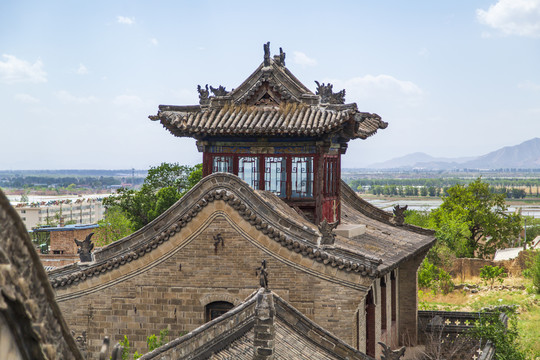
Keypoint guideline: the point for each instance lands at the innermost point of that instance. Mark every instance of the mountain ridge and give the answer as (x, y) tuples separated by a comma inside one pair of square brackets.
[(525, 155)]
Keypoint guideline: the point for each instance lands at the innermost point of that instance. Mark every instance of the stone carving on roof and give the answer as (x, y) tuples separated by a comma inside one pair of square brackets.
[(266, 48), (262, 273), (219, 91), (326, 229), (280, 59), (29, 314), (327, 94), (85, 248), (389, 354), (203, 94), (399, 215)]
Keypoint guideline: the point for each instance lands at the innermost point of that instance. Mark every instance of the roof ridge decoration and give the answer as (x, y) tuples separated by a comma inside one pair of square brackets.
[(269, 87), (366, 266)]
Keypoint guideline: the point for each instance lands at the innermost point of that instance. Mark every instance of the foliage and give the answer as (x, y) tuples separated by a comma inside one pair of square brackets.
[(533, 270), (164, 185), (154, 342), (434, 278), (125, 345), (490, 274), (489, 327), (114, 226), (477, 219)]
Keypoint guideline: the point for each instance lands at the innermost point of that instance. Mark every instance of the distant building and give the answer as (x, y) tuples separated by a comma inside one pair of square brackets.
[(79, 211), (60, 248)]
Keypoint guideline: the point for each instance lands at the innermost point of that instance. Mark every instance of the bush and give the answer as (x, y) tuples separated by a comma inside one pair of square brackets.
[(434, 278), (490, 274), (534, 271), (490, 328)]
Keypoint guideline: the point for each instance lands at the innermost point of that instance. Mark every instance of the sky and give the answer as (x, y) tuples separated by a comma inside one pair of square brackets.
[(78, 79)]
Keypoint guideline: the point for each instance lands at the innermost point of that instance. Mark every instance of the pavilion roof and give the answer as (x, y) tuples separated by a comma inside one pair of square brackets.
[(270, 102)]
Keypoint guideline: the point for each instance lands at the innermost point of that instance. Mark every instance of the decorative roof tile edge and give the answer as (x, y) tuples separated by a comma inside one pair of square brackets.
[(298, 246), (24, 287)]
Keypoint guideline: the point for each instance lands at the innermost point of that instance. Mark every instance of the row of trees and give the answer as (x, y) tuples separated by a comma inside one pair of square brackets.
[(131, 209), (434, 191)]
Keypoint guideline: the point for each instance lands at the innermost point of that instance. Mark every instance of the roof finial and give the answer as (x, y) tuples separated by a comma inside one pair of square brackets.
[(267, 54), (263, 275)]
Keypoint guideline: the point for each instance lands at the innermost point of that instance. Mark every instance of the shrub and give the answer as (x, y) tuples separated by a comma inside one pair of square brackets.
[(490, 274), (434, 278), (534, 271)]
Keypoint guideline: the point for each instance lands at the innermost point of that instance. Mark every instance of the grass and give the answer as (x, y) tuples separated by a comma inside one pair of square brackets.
[(517, 292)]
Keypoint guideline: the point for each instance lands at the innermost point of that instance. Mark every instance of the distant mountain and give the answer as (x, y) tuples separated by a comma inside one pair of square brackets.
[(419, 159), (523, 156)]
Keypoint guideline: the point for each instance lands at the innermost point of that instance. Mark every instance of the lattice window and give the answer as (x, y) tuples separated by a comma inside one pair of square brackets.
[(248, 170), (302, 177), (222, 164), (330, 176), (275, 175)]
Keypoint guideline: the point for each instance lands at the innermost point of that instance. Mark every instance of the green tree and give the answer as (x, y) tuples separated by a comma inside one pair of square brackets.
[(114, 226), (164, 185), (490, 274), (483, 213)]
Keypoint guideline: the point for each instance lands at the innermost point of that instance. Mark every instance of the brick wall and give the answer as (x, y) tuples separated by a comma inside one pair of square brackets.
[(170, 286)]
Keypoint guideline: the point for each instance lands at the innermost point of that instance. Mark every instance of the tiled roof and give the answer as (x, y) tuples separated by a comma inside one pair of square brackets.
[(231, 336), (291, 120), (382, 239)]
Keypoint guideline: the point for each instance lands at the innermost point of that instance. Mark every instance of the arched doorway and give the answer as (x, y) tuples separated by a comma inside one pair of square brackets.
[(216, 309)]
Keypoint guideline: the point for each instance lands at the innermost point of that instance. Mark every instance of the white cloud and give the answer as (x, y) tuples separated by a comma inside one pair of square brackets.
[(513, 17), (66, 97), (25, 98), (380, 89), (82, 70), (14, 70), (302, 59), (125, 20), (154, 41)]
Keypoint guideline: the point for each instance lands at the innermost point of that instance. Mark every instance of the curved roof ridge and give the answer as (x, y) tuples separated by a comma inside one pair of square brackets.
[(27, 299), (288, 231)]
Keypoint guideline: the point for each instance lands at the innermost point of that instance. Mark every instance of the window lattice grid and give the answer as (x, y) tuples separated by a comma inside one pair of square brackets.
[(248, 170), (222, 164), (302, 177), (275, 175)]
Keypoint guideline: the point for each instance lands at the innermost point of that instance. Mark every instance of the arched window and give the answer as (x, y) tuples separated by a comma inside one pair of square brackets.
[(216, 309)]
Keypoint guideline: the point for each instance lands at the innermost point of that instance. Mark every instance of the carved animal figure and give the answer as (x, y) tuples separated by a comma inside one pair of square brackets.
[(326, 229), (220, 91), (389, 354), (327, 94), (399, 214), (203, 93), (85, 248), (263, 275), (266, 48)]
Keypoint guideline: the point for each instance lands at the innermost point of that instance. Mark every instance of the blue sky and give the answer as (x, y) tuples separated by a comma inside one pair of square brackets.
[(78, 79)]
